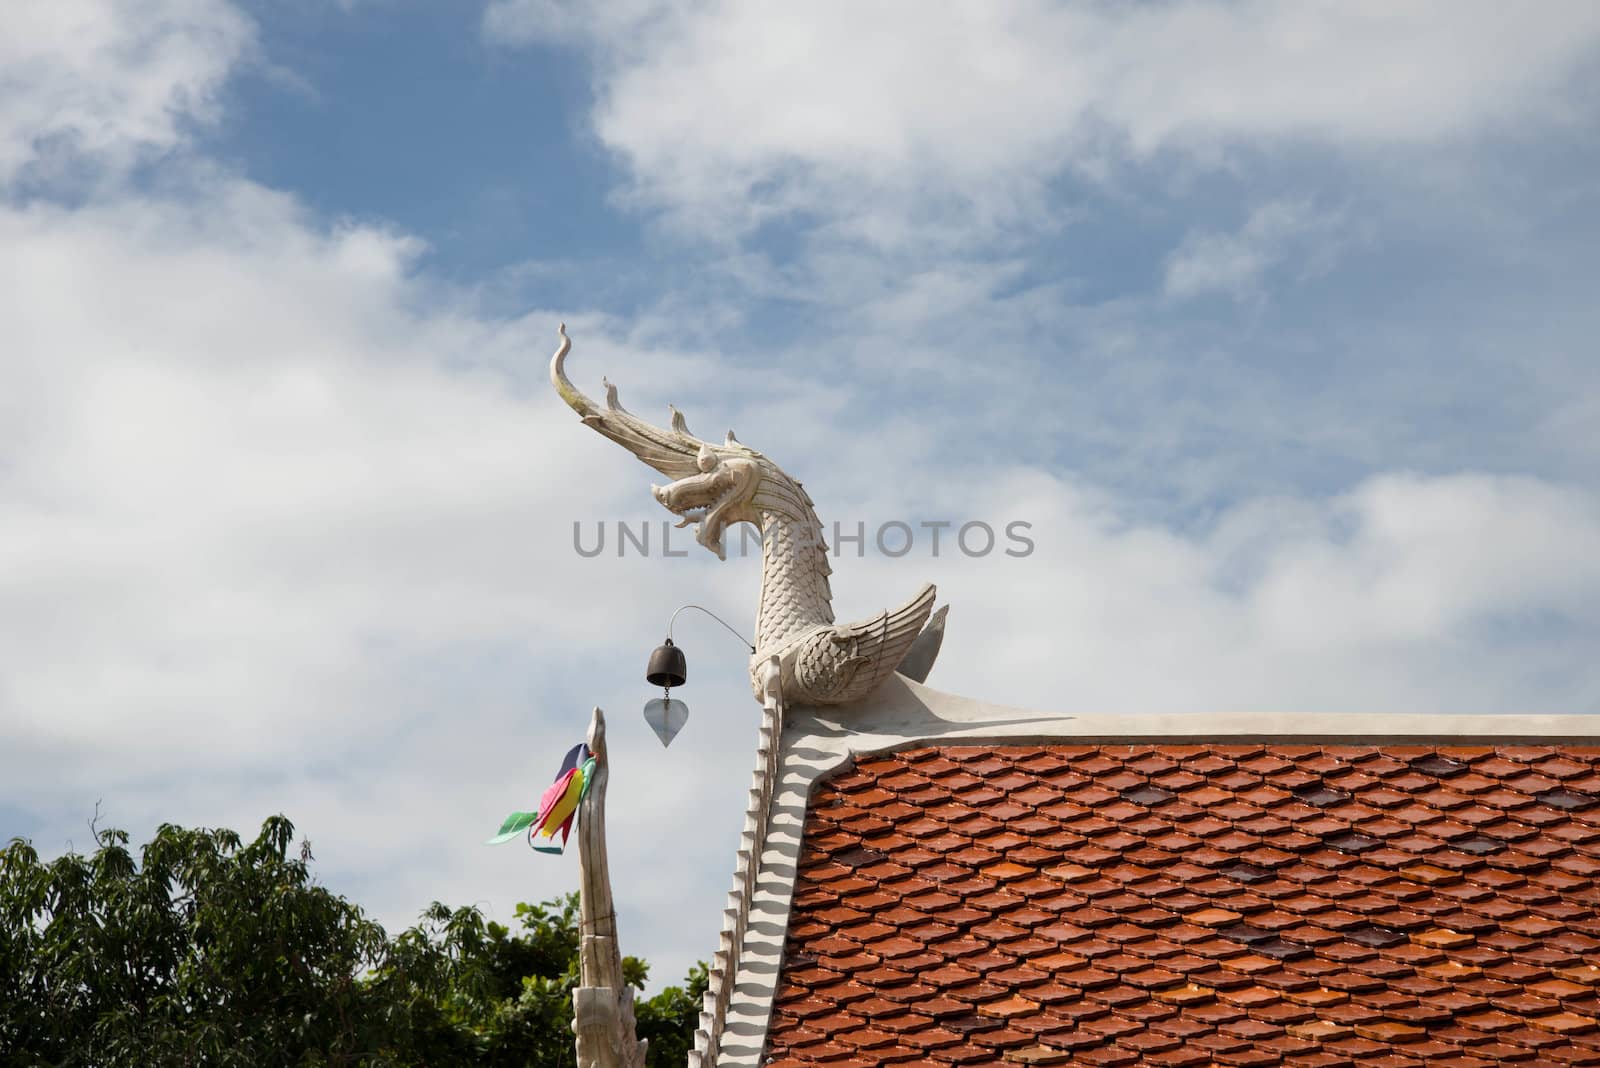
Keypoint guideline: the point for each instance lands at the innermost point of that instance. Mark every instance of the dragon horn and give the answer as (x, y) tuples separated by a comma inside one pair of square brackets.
[(558, 376), (672, 452)]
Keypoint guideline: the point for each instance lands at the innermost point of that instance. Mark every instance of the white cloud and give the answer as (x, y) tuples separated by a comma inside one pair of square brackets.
[(285, 526), (730, 113), (190, 385), (106, 82), (560, 22), (1453, 594), (1234, 263)]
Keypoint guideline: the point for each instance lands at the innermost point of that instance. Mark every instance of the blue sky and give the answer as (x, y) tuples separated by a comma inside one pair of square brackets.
[(1276, 322), (407, 116)]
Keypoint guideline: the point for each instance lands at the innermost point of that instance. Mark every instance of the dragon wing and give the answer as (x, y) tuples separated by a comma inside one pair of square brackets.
[(848, 661), (672, 452), (890, 633)]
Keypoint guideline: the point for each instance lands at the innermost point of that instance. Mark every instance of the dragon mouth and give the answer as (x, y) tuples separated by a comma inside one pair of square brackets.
[(692, 515), (708, 501)]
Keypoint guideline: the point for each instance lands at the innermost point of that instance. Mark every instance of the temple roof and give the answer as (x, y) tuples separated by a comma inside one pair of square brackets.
[(1247, 904), (942, 881)]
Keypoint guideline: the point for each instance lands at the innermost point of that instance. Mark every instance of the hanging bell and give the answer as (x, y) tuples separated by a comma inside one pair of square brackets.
[(667, 667)]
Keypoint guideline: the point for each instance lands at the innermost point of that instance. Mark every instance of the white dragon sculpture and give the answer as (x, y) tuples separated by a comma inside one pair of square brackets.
[(716, 486)]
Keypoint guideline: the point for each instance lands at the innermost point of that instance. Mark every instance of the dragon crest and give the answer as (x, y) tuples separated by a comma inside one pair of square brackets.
[(715, 486)]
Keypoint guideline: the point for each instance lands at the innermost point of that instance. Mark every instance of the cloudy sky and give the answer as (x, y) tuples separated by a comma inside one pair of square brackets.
[(1277, 322)]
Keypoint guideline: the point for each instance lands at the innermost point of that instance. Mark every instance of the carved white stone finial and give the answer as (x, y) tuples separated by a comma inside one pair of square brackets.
[(717, 486)]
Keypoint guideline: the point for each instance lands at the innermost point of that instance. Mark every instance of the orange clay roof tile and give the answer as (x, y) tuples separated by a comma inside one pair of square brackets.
[(1309, 906)]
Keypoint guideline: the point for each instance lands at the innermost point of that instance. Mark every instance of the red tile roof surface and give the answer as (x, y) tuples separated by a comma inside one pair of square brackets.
[(1178, 905)]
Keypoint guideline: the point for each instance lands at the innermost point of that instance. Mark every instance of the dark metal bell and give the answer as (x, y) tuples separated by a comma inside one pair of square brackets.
[(667, 667)]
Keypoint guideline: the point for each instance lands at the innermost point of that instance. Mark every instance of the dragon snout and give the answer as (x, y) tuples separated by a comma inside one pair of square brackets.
[(694, 492), (675, 497)]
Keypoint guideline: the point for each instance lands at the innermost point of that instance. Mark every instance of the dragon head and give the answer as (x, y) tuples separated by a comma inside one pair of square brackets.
[(721, 492), (713, 485)]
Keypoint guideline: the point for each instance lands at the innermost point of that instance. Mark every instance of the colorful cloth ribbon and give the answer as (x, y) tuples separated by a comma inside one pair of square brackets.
[(558, 805)]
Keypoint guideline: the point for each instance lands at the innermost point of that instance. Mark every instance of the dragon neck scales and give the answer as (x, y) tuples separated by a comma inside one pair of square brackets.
[(795, 595), (717, 485)]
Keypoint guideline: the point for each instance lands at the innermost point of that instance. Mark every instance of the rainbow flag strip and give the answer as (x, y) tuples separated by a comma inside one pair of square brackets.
[(558, 806)]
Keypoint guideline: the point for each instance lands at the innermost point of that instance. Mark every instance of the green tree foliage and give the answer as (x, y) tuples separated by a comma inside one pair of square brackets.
[(210, 951), (531, 997), (668, 1019)]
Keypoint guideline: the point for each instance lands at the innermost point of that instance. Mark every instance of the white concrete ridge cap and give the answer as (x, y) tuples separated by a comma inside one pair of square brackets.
[(902, 713)]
